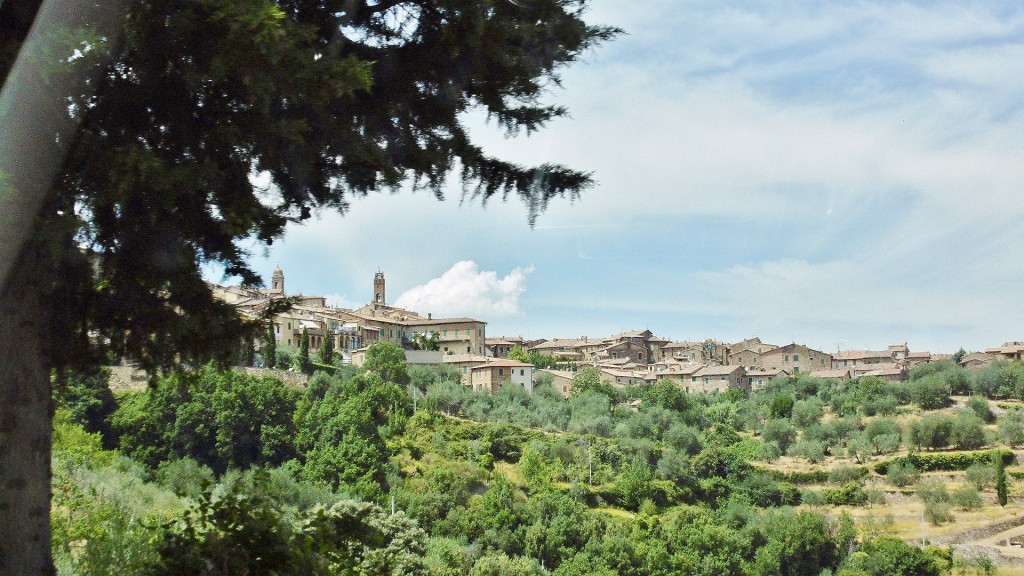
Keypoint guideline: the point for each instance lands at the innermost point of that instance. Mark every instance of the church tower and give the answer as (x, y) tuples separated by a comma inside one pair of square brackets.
[(277, 280), (378, 288)]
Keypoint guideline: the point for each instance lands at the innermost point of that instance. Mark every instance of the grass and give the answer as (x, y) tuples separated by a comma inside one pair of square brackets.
[(615, 512)]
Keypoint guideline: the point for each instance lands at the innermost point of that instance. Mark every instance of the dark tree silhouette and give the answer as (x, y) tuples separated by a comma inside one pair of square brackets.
[(129, 133)]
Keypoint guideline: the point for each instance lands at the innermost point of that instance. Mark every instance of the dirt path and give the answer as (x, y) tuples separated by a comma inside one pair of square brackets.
[(998, 541)]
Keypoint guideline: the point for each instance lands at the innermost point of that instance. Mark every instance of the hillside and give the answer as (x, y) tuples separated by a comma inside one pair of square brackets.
[(804, 476)]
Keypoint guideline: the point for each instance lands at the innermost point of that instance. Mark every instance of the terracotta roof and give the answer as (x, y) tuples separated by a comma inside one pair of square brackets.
[(794, 346), (680, 370), (682, 345), (556, 343), (837, 373), (765, 372), (860, 355), (718, 370), (559, 373), (1006, 348), (502, 364), (460, 358), (885, 372), (979, 357)]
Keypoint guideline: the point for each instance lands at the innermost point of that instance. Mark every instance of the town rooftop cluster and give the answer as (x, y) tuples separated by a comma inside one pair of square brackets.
[(628, 358)]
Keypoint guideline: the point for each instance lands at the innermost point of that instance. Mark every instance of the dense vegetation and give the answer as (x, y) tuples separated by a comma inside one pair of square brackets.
[(223, 473)]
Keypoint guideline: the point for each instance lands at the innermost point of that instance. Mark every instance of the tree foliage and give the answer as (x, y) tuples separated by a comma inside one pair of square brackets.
[(329, 100), (242, 531), (388, 361), (304, 351), (221, 419), (177, 105), (88, 400)]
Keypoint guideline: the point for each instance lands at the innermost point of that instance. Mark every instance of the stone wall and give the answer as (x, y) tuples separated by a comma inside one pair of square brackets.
[(131, 378)]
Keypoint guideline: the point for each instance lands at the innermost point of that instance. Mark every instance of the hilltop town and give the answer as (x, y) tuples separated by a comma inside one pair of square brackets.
[(625, 359)]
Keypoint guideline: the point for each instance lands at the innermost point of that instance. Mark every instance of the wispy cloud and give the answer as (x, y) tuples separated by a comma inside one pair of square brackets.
[(820, 169)]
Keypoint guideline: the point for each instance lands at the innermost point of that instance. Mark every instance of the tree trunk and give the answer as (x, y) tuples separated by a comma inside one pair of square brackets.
[(25, 418)]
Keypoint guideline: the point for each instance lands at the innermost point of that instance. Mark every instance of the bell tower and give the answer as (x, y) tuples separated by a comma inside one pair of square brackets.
[(378, 288), (277, 280)]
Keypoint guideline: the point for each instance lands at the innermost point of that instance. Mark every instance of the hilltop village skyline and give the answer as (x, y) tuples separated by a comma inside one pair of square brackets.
[(629, 357)]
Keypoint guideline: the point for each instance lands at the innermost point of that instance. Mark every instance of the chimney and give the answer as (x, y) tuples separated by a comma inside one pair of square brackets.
[(428, 315)]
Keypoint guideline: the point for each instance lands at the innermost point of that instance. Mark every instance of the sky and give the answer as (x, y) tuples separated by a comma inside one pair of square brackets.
[(845, 175)]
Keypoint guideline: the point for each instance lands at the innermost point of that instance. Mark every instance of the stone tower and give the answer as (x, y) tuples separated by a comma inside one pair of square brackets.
[(378, 288), (277, 280)]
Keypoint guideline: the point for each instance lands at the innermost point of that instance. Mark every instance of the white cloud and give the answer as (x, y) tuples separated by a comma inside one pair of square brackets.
[(465, 290), (342, 301)]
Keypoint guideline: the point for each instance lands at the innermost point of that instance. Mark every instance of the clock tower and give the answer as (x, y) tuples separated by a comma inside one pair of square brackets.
[(378, 288)]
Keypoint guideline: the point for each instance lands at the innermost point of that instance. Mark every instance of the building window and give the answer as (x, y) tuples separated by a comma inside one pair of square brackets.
[(796, 357), (501, 371), (522, 372), (787, 359)]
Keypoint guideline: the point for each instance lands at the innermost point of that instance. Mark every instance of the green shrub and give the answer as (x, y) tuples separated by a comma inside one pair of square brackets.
[(886, 443), (801, 477), (902, 474), (780, 431), (849, 494), (979, 405), (843, 474), (874, 495), (947, 461), (932, 490), (807, 412), (185, 477), (768, 452), (966, 497), (1011, 427), (937, 512), (968, 431), (812, 450), (890, 556), (980, 475), (812, 497)]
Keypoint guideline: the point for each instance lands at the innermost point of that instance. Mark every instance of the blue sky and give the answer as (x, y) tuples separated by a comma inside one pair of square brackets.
[(844, 175)]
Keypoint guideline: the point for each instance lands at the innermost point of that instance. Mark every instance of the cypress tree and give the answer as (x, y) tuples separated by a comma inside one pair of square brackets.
[(248, 353), (304, 351), (270, 350), (997, 459), (327, 349)]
